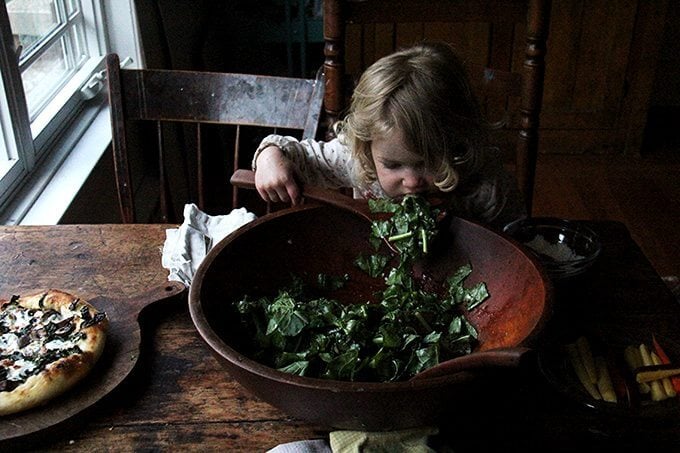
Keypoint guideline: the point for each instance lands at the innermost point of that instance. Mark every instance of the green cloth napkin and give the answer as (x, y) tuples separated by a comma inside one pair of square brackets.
[(408, 440)]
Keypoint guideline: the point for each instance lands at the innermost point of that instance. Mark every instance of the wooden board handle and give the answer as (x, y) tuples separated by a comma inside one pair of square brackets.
[(158, 293)]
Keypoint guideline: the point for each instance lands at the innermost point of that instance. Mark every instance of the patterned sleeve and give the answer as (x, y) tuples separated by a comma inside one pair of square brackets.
[(324, 164)]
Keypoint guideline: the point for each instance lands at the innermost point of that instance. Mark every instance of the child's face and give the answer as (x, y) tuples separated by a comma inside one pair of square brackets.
[(399, 169)]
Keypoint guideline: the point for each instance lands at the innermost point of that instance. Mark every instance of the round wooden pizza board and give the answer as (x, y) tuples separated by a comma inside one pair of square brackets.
[(117, 361)]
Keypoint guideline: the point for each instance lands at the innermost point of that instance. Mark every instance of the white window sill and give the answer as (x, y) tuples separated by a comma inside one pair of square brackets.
[(48, 196)]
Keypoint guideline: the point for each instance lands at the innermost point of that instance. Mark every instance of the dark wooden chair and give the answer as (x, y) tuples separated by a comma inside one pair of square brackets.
[(503, 42), (186, 104)]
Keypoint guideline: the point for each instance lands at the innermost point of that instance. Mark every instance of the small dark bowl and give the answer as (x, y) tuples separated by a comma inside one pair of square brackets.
[(565, 248)]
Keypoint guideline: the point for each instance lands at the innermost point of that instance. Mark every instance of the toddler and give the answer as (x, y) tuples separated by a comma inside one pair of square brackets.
[(413, 127)]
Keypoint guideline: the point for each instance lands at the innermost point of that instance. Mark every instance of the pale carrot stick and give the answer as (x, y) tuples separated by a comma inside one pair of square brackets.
[(581, 373)]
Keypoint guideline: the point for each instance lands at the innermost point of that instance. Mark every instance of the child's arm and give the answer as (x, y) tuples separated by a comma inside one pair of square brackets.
[(282, 163)]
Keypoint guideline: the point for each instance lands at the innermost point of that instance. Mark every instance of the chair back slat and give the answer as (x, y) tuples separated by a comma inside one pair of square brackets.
[(164, 184), (199, 167), (236, 153), (213, 98), (427, 11)]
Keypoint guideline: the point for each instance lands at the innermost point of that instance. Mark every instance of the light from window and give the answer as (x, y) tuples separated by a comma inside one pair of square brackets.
[(8, 151), (49, 49), (49, 37)]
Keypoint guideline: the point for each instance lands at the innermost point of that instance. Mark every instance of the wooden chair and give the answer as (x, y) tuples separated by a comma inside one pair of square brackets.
[(503, 42), (193, 102)]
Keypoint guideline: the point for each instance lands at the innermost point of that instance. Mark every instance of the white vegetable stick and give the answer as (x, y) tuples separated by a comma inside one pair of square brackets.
[(634, 360), (658, 392), (604, 380), (575, 358), (586, 354), (666, 382)]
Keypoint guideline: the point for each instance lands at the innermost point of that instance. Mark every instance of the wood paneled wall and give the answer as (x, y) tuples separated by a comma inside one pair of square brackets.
[(599, 69)]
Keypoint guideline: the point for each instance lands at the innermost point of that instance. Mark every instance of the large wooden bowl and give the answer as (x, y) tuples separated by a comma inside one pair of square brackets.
[(261, 256)]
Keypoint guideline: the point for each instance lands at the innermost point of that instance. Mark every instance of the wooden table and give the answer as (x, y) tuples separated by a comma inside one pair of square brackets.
[(178, 398)]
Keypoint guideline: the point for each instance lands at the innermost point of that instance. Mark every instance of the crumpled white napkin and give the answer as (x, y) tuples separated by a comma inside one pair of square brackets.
[(186, 246), (303, 446)]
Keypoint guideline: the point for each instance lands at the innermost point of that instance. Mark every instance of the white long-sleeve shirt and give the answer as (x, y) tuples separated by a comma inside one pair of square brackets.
[(490, 195)]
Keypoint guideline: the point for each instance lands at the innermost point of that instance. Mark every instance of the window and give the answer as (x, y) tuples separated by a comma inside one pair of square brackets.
[(49, 36), (51, 80)]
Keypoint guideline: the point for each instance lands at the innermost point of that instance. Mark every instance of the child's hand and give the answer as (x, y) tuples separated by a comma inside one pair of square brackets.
[(275, 177)]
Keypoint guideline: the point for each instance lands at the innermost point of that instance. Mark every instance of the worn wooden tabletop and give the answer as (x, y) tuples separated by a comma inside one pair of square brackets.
[(178, 397)]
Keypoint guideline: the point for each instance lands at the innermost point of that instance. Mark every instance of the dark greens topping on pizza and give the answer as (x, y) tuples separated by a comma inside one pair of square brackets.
[(31, 339)]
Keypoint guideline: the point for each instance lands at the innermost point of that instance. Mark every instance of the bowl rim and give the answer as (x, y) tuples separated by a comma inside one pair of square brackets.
[(577, 226)]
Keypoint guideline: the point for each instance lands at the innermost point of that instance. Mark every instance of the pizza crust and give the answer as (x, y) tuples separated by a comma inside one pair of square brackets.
[(45, 386), (65, 372)]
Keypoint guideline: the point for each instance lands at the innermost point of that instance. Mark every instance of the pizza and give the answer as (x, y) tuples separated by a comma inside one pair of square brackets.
[(48, 342)]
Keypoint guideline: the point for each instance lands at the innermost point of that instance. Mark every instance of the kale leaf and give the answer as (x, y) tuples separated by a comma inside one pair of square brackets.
[(408, 331)]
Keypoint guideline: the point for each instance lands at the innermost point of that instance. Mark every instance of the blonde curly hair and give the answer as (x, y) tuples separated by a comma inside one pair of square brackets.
[(424, 91)]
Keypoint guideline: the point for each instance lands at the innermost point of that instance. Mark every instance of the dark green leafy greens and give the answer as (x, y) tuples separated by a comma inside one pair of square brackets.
[(302, 331), (411, 227)]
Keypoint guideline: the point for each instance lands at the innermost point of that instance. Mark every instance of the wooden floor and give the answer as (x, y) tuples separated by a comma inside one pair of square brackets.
[(641, 192)]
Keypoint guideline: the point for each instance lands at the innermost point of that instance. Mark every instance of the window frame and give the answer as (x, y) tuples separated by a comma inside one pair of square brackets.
[(17, 137), (39, 149)]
